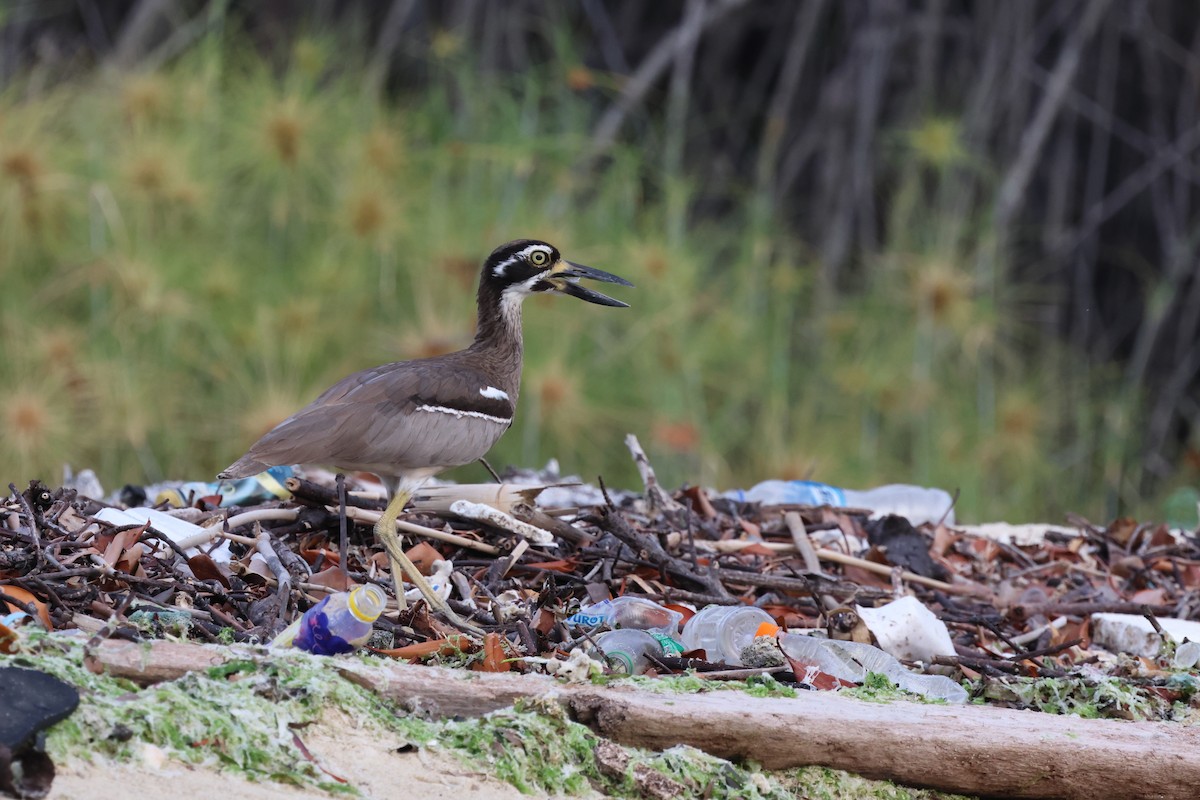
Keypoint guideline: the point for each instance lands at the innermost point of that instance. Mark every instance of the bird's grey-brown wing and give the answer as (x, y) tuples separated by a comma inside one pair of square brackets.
[(390, 418)]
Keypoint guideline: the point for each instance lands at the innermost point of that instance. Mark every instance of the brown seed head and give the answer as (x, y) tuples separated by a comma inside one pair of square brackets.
[(285, 135), (148, 173), (24, 167), (368, 213), (144, 98), (382, 150), (580, 78)]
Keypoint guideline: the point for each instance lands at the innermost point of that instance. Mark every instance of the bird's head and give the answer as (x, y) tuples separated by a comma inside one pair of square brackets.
[(527, 266)]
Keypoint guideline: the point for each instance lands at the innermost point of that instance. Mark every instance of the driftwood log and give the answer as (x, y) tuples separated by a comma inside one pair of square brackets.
[(967, 749)]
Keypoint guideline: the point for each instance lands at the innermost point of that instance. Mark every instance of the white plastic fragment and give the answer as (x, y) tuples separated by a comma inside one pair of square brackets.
[(1022, 535), (185, 534), (439, 581), (578, 667), (508, 605), (484, 513), (907, 630), (1133, 634)]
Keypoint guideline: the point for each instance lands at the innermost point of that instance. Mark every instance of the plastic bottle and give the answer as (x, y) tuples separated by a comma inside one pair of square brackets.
[(916, 503), (627, 650), (340, 623), (851, 661), (722, 631), (1187, 655), (628, 612)]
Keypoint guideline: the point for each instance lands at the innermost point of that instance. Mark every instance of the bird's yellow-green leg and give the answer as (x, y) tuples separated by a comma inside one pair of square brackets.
[(385, 531)]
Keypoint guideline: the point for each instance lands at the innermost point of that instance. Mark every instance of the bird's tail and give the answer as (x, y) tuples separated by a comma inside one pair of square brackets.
[(244, 467)]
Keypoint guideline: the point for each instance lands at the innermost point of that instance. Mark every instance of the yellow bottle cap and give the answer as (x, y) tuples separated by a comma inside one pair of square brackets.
[(367, 602)]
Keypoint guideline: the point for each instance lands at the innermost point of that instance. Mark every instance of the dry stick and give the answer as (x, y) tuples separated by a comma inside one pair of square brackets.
[(739, 674), (309, 492), (109, 627), (953, 502), (28, 608), (648, 547), (795, 526), (514, 556), (763, 580), (343, 536), (980, 664), (691, 536), (732, 546), (262, 515), (42, 556), (283, 578), (495, 475), (657, 499), (1085, 609), (804, 545), (1045, 651), (563, 530), (233, 537), (1036, 633)]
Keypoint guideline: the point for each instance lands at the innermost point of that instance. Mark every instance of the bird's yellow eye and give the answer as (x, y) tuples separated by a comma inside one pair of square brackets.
[(538, 258)]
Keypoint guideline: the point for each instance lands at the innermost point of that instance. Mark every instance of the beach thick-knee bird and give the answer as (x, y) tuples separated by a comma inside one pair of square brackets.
[(409, 420)]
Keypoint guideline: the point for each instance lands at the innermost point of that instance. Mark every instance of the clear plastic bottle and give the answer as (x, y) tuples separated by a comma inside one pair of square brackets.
[(917, 503), (722, 631), (340, 623), (851, 661), (628, 612), (626, 650), (1187, 655)]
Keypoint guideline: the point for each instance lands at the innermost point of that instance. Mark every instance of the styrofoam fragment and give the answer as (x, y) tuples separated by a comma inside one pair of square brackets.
[(1133, 634)]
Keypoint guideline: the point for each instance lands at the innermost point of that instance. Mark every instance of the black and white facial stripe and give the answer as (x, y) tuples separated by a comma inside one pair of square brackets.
[(517, 268), (538, 255)]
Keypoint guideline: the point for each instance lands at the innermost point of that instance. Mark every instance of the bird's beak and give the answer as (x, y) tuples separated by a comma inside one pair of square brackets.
[(566, 277)]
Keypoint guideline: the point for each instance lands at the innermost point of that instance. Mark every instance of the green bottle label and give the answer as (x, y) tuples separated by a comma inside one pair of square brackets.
[(619, 661), (669, 646)]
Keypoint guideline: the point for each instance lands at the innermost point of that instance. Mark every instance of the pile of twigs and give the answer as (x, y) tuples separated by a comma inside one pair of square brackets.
[(1011, 609)]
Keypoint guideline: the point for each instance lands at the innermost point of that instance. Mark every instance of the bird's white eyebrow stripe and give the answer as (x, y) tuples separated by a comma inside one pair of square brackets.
[(498, 270), (460, 413), (493, 393)]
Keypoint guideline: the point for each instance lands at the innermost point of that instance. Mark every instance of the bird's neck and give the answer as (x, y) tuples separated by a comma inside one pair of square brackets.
[(498, 334)]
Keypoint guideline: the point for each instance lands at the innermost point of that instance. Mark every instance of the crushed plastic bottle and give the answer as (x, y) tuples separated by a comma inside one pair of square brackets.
[(628, 612), (851, 661), (723, 631), (340, 623), (628, 650), (917, 503)]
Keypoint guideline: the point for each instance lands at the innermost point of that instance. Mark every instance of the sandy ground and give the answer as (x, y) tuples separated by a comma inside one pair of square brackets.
[(365, 758)]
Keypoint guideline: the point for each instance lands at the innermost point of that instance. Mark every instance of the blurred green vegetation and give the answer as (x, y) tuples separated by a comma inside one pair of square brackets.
[(191, 254)]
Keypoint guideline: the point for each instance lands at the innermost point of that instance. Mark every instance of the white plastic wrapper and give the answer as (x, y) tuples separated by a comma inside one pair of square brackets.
[(907, 630), (185, 534)]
